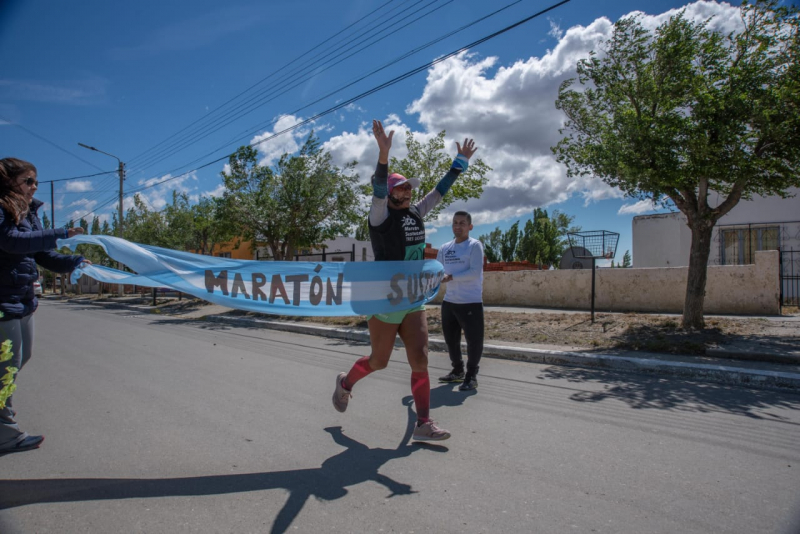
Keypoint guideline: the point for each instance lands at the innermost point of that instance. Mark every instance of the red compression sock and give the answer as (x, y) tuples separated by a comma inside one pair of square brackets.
[(421, 391), (359, 370)]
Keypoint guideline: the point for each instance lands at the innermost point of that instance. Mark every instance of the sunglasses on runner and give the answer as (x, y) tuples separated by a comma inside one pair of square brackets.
[(31, 182)]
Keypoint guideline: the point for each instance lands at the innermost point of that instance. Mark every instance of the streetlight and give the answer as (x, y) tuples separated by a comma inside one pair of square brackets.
[(121, 179)]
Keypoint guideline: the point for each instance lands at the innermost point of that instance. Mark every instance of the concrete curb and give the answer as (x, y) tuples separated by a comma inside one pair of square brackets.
[(725, 374)]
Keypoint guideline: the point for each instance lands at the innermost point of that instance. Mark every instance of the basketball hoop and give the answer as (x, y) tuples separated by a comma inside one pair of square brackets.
[(594, 245)]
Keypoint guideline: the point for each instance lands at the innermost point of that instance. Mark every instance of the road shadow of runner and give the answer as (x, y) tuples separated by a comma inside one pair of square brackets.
[(355, 465), (447, 395)]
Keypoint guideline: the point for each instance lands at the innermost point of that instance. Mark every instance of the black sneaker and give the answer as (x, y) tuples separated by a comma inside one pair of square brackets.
[(452, 376), (27, 444), (469, 384)]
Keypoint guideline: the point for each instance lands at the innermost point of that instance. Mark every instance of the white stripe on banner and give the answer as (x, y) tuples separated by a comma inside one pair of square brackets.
[(276, 287)]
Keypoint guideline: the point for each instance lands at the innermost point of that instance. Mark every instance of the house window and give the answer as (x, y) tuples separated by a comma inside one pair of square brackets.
[(740, 244), (223, 254)]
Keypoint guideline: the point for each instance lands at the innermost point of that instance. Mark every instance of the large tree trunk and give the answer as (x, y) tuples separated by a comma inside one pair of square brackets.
[(698, 273)]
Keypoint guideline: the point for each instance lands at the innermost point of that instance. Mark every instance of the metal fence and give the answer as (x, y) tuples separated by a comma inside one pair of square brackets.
[(338, 255), (738, 244), (790, 277)]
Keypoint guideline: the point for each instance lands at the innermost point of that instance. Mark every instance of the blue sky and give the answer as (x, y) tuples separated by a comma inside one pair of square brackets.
[(124, 77)]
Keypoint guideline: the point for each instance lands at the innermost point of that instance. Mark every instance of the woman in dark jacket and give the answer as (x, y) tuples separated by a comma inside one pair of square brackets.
[(23, 244)]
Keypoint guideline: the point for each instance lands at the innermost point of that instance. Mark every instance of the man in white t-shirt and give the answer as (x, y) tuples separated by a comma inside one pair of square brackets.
[(462, 308)]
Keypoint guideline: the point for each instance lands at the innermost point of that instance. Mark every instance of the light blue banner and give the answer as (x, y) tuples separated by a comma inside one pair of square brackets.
[(275, 287)]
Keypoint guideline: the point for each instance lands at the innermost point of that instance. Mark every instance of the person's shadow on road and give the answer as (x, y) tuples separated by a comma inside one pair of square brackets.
[(446, 395), (355, 465)]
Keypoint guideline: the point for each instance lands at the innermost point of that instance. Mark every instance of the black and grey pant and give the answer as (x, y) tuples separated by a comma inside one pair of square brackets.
[(469, 318), (20, 332)]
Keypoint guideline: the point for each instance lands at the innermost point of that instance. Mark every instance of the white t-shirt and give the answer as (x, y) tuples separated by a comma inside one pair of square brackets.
[(465, 262)]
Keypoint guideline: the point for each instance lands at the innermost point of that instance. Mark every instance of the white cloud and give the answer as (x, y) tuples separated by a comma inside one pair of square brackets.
[(360, 146), (78, 186), (216, 192), (159, 192), (288, 143), (555, 30), (637, 208), (84, 203), (510, 112)]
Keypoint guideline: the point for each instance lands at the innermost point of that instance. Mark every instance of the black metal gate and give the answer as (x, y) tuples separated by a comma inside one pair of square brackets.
[(790, 277)]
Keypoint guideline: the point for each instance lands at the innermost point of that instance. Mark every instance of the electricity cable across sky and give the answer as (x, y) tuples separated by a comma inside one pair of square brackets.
[(340, 105)]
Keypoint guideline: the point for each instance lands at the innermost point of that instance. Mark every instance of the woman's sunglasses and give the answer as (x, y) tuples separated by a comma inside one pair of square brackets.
[(31, 182)]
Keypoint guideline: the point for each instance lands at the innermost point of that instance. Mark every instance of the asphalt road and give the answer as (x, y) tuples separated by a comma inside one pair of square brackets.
[(156, 425)]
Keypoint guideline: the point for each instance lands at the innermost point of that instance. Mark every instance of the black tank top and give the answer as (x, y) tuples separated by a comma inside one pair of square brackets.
[(400, 237)]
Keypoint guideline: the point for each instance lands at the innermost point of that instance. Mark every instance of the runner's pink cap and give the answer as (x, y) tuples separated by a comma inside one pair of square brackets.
[(398, 179)]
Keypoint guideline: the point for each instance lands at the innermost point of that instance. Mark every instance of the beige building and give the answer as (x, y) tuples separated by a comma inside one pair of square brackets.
[(763, 223)]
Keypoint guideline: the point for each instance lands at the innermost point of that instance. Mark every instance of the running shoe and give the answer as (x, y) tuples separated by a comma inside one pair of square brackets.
[(469, 384), (340, 395), (27, 444), (452, 376), (430, 432)]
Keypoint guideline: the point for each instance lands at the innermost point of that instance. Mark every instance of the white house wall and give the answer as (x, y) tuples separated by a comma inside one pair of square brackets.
[(664, 239), (661, 240)]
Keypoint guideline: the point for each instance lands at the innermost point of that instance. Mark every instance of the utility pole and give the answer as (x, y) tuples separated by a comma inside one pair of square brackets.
[(53, 222), (119, 216), (52, 206)]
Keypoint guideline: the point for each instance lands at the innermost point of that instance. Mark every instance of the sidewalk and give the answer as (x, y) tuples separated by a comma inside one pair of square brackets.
[(741, 366)]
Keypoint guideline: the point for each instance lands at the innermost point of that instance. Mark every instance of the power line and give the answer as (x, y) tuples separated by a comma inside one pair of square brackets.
[(251, 131), (41, 138), (77, 177), (113, 200), (136, 158), (408, 54), (258, 100), (369, 92)]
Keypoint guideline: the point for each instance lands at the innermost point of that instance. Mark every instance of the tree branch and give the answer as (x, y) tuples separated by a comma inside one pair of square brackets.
[(733, 198)]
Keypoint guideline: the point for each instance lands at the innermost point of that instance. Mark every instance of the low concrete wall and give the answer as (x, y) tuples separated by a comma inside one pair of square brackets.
[(730, 289)]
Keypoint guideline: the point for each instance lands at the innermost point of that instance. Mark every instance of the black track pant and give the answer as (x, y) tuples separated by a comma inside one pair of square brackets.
[(469, 318)]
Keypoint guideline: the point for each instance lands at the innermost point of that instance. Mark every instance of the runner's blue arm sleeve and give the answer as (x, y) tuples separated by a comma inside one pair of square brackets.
[(460, 165), (380, 186)]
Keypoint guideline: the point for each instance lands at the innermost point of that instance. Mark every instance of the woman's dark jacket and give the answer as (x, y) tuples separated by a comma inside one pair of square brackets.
[(22, 246)]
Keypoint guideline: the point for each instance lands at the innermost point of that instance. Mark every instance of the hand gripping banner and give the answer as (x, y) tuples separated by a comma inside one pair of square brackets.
[(275, 287)]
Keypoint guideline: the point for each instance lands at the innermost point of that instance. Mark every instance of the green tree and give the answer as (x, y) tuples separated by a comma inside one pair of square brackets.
[(563, 223), (94, 253), (491, 245), (301, 202), (46, 221), (210, 227), (179, 222), (626, 259), (543, 239), (508, 243), (685, 110), (429, 162), (143, 225)]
